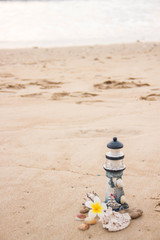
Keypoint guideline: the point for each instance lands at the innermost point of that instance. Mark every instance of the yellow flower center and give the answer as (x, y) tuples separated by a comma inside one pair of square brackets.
[(96, 207)]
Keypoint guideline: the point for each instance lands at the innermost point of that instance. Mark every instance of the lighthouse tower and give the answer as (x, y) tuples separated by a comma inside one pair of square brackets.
[(114, 168)]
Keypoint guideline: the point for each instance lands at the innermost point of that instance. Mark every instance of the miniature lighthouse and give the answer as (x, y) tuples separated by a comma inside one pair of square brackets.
[(114, 168)]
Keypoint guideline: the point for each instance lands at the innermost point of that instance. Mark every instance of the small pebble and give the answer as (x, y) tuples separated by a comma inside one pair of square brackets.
[(83, 226), (80, 217), (133, 212), (84, 210), (90, 221)]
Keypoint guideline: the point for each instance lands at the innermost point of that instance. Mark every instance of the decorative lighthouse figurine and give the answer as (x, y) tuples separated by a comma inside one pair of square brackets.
[(114, 168)]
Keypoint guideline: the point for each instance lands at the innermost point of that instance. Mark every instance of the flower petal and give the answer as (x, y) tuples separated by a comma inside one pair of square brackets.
[(92, 214), (96, 199), (100, 214), (88, 204), (104, 206)]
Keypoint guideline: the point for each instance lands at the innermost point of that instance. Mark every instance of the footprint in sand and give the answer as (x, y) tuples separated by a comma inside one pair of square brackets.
[(92, 132), (6, 75), (59, 95), (89, 101), (86, 94), (50, 84), (15, 86), (133, 78), (151, 97), (157, 207), (11, 86), (46, 84), (106, 131), (31, 95), (112, 84)]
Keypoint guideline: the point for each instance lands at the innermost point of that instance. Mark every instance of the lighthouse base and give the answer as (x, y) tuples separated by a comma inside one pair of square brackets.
[(115, 197), (123, 206), (118, 208)]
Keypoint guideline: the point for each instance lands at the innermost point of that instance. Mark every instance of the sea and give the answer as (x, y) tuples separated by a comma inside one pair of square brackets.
[(78, 22)]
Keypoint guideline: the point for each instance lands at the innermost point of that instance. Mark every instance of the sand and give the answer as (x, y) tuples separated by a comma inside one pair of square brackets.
[(59, 108)]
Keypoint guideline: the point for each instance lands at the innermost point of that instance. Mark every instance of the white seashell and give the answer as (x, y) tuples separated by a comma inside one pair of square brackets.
[(90, 196), (115, 221), (123, 199), (119, 183), (80, 217)]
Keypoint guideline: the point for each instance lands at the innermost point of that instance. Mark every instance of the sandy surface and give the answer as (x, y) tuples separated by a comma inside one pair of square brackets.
[(59, 108)]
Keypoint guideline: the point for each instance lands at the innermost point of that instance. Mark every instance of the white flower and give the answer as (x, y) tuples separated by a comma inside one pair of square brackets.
[(97, 208)]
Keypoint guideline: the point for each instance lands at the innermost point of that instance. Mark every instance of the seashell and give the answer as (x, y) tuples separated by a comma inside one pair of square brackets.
[(83, 226), (80, 217), (115, 221), (90, 196), (123, 199), (119, 183), (90, 221), (84, 210)]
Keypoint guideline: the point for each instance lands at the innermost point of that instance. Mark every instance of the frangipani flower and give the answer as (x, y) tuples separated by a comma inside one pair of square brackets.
[(97, 208)]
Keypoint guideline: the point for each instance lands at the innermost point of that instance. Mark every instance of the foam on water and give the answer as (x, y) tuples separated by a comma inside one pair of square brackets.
[(78, 22)]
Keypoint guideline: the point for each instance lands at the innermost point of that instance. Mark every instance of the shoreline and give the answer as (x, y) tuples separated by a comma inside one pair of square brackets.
[(76, 45)]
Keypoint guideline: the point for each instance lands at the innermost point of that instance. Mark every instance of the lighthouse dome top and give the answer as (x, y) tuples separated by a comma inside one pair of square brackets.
[(115, 144)]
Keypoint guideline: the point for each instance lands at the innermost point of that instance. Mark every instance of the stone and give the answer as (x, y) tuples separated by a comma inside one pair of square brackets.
[(90, 221), (133, 212), (84, 210), (83, 226), (80, 217)]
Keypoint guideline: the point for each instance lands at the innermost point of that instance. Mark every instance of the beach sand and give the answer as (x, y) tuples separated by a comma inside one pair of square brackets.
[(59, 108)]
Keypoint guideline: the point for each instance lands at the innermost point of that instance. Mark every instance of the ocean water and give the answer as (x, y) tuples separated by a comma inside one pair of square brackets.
[(78, 22)]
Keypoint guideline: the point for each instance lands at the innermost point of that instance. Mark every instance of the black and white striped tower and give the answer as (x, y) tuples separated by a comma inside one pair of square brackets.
[(114, 168)]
